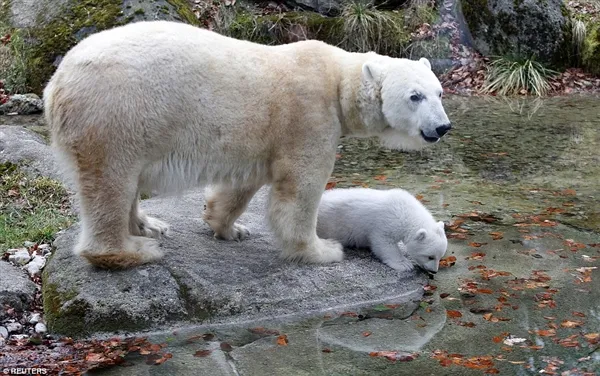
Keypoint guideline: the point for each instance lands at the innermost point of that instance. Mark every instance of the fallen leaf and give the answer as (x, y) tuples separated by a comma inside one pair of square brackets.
[(485, 291), (476, 255), (326, 350), (592, 338), (447, 262), (571, 324), (366, 334), (545, 332), (579, 314), (477, 245), (330, 185), (444, 295), (226, 347), (282, 340), (202, 353), (497, 235), (380, 177), (453, 314)]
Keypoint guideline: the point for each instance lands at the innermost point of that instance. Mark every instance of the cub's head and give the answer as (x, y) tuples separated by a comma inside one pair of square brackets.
[(427, 247), (401, 101)]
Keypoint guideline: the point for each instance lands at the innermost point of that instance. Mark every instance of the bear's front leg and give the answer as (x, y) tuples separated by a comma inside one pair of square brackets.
[(298, 184), (389, 253)]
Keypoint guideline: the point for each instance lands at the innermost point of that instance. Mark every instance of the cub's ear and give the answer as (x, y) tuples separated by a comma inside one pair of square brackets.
[(421, 234), (371, 72), (425, 62)]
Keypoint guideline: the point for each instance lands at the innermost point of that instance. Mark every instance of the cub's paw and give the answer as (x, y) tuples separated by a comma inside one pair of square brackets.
[(237, 232)]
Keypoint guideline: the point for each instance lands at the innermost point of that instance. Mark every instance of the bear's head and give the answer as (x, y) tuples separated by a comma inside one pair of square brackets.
[(401, 102), (427, 247)]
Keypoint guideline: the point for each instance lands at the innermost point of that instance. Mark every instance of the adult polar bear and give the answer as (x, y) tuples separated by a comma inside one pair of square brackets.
[(164, 106)]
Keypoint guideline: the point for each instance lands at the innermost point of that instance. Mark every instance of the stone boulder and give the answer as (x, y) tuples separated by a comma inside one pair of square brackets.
[(27, 149), (42, 31), (520, 28), (18, 104), (16, 289), (205, 280)]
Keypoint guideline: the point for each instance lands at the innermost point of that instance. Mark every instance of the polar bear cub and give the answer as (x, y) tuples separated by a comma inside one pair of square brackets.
[(379, 220)]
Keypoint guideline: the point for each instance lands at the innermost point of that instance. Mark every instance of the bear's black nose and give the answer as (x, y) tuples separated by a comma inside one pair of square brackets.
[(443, 129)]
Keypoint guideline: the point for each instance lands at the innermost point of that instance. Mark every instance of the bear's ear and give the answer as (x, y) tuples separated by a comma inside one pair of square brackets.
[(370, 72), (425, 62), (441, 227), (421, 234)]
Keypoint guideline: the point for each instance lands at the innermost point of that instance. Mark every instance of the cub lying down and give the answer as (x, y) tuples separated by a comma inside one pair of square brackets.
[(379, 220)]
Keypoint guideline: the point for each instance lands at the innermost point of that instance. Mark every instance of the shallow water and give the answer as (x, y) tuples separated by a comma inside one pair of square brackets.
[(524, 175)]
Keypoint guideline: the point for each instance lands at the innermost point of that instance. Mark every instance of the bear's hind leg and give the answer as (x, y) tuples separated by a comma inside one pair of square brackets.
[(106, 194), (293, 206), (224, 205)]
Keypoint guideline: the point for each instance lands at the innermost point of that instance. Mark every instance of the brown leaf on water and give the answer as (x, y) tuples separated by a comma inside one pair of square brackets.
[(226, 347), (475, 255), (419, 197), (326, 350), (456, 235), (570, 341), (366, 334), (568, 192), (477, 245), (496, 235), (545, 332), (444, 295), (380, 178), (202, 353), (592, 338), (485, 291), (578, 314), (330, 185), (498, 339), (571, 324), (453, 314), (492, 371), (282, 340), (447, 261), (468, 324)]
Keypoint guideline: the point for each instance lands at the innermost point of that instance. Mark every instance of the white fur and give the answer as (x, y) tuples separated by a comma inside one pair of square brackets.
[(380, 219), (158, 107)]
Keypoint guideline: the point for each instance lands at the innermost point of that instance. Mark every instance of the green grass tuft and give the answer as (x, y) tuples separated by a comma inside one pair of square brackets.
[(368, 29), (31, 209), (511, 77)]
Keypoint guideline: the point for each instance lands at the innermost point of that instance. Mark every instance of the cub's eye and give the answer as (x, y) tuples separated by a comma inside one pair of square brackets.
[(415, 97), (440, 95), (431, 258)]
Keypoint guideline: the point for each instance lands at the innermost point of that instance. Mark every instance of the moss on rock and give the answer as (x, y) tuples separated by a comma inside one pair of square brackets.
[(591, 51), (48, 41)]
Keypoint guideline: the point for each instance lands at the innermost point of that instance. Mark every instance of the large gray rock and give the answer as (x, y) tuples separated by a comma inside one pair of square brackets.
[(28, 149), (202, 279), (521, 28), (16, 289), (49, 28), (18, 104)]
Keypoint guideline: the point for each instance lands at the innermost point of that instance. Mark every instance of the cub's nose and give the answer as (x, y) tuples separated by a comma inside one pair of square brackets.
[(443, 129)]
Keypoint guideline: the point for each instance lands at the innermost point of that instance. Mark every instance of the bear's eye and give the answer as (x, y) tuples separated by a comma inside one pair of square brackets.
[(440, 95), (431, 258), (415, 97)]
